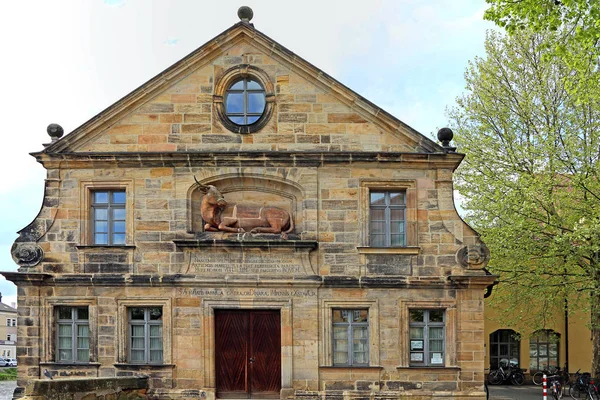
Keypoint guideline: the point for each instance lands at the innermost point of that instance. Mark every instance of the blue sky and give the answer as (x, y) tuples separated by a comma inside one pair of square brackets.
[(66, 60)]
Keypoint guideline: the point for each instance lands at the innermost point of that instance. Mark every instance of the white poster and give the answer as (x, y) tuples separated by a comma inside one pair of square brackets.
[(416, 357), (436, 358)]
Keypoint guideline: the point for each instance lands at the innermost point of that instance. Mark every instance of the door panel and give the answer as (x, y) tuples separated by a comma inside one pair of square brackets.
[(231, 352), (248, 353), (265, 351)]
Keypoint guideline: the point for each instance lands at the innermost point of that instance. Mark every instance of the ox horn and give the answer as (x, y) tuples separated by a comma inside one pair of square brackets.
[(202, 187)]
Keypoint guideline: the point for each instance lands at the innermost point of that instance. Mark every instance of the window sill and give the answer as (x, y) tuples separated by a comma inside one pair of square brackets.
[(142, 366), (373, 367), (70, 364), (411, 250), (105, 246), (430, 368)]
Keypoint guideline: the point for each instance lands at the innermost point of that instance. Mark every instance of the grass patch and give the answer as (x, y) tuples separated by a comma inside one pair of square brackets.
[(8, 374)]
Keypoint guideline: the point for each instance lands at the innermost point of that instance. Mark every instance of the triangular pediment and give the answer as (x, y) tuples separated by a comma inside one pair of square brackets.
[(178, 110)]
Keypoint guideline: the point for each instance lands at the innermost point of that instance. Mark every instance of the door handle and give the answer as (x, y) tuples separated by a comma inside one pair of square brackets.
[(251, 360)]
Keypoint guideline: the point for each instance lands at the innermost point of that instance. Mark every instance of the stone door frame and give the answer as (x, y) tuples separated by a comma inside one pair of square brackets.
[(208, 312)]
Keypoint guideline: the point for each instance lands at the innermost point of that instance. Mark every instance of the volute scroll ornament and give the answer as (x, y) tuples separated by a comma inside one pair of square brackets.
[(244, 217), (27, 254), (473, 256)]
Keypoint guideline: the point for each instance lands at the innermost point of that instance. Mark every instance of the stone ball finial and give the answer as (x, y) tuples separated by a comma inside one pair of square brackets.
[(445, 136), (245, 14), (55, 131)]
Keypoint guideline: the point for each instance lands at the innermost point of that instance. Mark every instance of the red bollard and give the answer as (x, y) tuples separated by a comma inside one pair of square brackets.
[(545, 388)]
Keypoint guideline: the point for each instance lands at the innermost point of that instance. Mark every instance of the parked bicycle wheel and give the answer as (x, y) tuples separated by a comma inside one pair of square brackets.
[(538, 378), (577, 392), (517, 378), (495, 377)]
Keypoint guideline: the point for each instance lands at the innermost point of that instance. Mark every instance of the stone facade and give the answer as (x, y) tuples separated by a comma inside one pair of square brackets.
[(320, 151)]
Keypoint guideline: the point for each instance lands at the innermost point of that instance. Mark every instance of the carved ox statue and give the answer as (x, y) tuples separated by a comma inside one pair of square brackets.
[(244, 218)]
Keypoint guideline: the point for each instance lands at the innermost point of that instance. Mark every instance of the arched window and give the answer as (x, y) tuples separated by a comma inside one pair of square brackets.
[(504, 344), (543, 350)]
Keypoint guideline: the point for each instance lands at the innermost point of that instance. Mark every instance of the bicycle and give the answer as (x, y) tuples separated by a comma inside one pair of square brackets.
[(556, 386), (512, 372), (583, 387), (538, 376)]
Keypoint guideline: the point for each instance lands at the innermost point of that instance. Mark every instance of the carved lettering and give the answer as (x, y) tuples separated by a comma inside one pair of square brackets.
[(247, 263), (245, 292)]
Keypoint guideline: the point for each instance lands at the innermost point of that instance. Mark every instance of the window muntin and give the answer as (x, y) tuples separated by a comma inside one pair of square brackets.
[(108, 217), (387, 218), (504, 344), (245, 102), (72, 334), (427, 337), (350, 337), (543, 350), (145, 335)]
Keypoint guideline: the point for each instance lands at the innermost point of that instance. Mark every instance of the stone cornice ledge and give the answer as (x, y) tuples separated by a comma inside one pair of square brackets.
[(250, 244), (33, 278), (247, 158), (470, 281)]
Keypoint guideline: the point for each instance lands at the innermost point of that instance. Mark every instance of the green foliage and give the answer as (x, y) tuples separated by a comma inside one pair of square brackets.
[(8, 374), (576, 31), (531, 176)]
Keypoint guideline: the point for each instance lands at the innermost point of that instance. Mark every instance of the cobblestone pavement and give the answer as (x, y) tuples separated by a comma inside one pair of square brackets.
[(6, 389), (509, 392)]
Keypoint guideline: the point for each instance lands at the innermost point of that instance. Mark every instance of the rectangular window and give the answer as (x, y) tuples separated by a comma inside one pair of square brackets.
[(387, 218), (108, 217), (427, 337), (14, 322), (72, 334), (8, 337), (7, 321), (350, 337), (145, 335)]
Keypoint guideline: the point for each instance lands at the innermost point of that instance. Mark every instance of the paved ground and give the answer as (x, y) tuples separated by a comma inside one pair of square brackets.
[(6, 389), (509, 392)]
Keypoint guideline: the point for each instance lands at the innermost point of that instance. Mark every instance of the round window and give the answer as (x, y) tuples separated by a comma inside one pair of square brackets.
[(245, 102)]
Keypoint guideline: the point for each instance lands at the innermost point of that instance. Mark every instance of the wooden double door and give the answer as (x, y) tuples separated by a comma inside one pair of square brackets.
[(248, 353)]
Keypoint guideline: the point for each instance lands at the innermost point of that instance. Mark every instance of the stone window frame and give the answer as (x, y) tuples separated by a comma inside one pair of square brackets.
[(410, 188), (123, 306), (87, 189), (49, 327), (229, 77), (327, 307), (450, 309)]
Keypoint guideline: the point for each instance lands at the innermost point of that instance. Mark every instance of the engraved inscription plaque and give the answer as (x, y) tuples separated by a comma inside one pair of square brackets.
[(250, 262)]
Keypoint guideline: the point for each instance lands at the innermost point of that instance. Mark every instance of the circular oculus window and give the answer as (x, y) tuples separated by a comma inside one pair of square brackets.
[(245, 102)]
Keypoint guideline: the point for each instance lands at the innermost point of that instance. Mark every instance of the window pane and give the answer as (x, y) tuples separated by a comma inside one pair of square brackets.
[(119, 227), (83, 355), (239, 85), (360, 315), (396, 198), (397, 227), (82, 313), (156, 331), (436, 345), (118, 197), (340, 333), (397, 215), (417, 315), (543, 349), (377, 215), (256, 102), (137, 331), (378, 240), (101, 214), (65, 331), (340, 358), (137, 313), (138, 343), (137, 355), (436, 316), (360, 332), (101, 227), (64, 313), (101, 238), (156, 355), (155, 313), (119, 239), (378, 198), (65, 355), (378, 228), (237, 120), (156, 344), (416, 333), (235, 103), (397, 240), (337, 316), (83, 331), (252, 119), (253, 85), (100, 197), (118, 214), (436, 333)]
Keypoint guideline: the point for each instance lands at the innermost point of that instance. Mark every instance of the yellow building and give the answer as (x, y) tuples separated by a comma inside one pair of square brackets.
[(8, 330), (567, 340)]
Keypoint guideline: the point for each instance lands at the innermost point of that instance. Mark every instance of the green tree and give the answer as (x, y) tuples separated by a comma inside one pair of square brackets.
[(576, 32), (531, 180)]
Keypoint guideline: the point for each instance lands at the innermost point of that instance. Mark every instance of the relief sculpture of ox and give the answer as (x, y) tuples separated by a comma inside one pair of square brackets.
[(244, 218)]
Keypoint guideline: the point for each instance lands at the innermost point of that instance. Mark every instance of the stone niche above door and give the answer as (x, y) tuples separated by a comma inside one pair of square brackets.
[(243, 192)]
